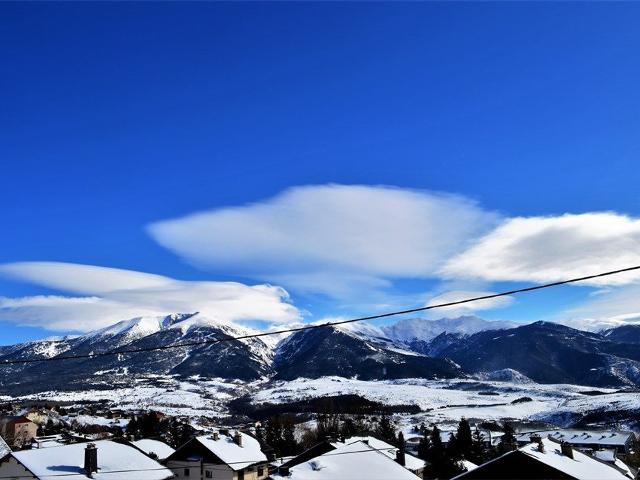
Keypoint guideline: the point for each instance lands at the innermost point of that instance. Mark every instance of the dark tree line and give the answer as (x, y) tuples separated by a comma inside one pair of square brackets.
[(464, 444)]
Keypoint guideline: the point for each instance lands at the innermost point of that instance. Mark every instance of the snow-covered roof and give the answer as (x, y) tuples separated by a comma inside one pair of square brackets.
[(581, 466), (353, 460), (609, 456), (227, 450), (410, 462), (4, 448), (583, 437), (468, 466), (67, 462), (148, 446)]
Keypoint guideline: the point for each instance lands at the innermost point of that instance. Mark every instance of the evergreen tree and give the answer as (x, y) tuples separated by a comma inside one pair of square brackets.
[(463, 437), (508, 441), (273, 434), (453, 447), (477, 452), (348, 428), (425, 445), (289, 445), (386, 430), (439, 463)]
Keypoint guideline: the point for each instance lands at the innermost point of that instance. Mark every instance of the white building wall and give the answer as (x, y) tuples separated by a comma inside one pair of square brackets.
[(197, 471)]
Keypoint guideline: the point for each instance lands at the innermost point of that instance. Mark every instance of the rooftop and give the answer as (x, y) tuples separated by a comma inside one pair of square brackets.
[(67, 462), (149, 446), (353, 460), (411, 462), (581, 466), (227, 450), (577, 437)]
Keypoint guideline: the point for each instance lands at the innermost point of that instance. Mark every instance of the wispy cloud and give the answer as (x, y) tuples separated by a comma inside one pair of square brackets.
[(107, 295), (609, 308), (546, 249), (330, 239)]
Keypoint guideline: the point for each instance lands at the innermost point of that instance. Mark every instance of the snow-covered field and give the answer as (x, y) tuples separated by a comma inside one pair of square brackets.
[(441, 401), (449, 400)]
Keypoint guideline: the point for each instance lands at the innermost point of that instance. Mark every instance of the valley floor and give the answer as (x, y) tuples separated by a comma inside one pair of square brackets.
[(440, 401)]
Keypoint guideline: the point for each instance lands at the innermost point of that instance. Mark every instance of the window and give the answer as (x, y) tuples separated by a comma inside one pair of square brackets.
[(241, 475), (208, 474), (187, 472), (260, 471)]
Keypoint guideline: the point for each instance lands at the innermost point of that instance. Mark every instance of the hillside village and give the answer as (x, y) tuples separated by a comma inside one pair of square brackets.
[(52, 441)]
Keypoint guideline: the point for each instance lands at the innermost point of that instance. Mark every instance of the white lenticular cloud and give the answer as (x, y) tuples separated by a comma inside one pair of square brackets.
[(466, 308), (547, 249), (108, 295), (315, 235)]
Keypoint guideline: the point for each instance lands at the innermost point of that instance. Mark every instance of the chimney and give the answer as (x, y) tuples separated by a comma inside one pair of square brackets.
[(215, 436), (537, 439), (566, 449), (90, 459), (400, 458), (238, 438)]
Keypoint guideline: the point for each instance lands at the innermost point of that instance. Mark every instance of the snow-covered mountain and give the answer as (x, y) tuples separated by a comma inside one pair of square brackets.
[(423, 329), (348, 351), (446, 348), (183, 353), (548, 353)]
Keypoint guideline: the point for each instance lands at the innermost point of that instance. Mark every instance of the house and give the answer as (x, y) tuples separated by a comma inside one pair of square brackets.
[(103, 460), (411, 463), (545, 459), (17, 431), (610, 457), (221, 455), (347, 462), (622, 441), (154, 448)]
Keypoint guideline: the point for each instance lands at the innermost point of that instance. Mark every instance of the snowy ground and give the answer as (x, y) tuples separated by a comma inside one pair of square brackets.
[(441, 401), (449, 400)]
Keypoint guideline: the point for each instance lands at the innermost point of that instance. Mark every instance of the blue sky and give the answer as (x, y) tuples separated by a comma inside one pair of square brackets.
[(119, 116)]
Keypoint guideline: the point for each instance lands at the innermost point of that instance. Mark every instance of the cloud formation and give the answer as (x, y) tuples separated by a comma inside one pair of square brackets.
[(548, 249), (466, 308), (330, 238), (108, 295), (607, 309)]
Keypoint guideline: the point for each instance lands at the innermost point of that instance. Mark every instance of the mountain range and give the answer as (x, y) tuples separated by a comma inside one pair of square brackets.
[(448, 348)]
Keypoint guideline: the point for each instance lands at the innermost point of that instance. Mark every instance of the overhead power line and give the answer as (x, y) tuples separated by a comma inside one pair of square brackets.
[(322, 325)]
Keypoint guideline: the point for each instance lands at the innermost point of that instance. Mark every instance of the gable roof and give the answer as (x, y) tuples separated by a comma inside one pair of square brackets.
[(530, 462), (410, 462), (67, 462), (235, 456), (583, 437), (354, 460), (148, 446), (581, 466)]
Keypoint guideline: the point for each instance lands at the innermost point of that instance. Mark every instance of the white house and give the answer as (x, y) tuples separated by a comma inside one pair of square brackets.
[(621, 441), (411, 463), (102, 460), (545, 459), (221, 456)]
